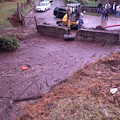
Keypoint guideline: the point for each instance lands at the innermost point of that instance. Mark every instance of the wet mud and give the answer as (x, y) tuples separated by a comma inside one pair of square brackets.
[(49, 61)]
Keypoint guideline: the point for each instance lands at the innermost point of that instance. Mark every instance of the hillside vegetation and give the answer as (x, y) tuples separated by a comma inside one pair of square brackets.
[(7, 9)]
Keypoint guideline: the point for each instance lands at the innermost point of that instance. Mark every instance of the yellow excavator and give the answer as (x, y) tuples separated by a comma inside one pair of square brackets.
[(73, 10), (71, 19)]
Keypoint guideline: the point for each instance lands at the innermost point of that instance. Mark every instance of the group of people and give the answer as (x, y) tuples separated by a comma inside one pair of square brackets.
[(114, 9)]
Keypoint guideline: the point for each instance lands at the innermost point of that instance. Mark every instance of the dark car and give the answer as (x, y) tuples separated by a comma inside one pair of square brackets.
[(59, 12)]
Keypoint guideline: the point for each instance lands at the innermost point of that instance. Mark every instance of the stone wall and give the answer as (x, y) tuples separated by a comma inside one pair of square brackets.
[(97, 36), (55, 31), (91, 9), (81, 35)]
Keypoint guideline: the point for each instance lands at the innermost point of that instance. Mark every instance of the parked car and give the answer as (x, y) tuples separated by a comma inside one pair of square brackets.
[(43, 6), (51, 1), (59, 12)]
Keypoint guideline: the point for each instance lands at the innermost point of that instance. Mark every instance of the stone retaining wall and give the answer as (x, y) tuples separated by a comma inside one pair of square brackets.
[(97, 36), (81, 35), (91, 9), (55, 31)]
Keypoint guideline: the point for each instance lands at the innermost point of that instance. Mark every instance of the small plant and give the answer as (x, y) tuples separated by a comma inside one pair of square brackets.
[(9, 44)]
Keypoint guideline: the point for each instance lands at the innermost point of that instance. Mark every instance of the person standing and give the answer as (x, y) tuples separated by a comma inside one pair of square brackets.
[(99, 7), (114, 8), (108, 6), (104, 15), (118, 10), (80, 22)]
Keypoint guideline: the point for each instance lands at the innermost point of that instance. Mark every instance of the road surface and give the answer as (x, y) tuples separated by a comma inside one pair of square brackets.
[(48, 17), (89, 20)]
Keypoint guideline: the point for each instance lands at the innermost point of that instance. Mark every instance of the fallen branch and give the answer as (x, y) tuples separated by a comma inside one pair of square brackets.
[(27, 98)]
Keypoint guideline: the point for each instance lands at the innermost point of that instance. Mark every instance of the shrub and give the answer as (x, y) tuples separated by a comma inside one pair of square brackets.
[(73, 1), (9, 44)]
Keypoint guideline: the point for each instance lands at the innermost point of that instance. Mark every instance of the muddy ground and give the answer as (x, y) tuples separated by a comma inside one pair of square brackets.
[(50, 60), (87, 95)]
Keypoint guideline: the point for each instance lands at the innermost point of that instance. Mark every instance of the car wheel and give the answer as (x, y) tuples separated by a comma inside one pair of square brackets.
[(45, 10)]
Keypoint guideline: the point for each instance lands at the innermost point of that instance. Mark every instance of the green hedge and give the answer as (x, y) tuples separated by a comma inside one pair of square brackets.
[(84, 2), (9, 44)]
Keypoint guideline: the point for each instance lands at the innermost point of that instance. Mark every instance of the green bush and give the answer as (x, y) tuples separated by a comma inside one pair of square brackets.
[(9, 44)]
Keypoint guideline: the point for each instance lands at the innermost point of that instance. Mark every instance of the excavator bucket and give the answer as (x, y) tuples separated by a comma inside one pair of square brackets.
[(68, 36)]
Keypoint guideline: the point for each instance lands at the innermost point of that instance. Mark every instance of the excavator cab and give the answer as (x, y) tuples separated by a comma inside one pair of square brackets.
[(75, 11)]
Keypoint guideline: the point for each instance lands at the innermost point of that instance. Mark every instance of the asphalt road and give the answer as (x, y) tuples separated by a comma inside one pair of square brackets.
[(48, 17), (89, 20)]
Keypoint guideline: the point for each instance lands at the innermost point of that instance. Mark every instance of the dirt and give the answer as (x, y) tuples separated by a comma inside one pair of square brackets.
[(50, 61)]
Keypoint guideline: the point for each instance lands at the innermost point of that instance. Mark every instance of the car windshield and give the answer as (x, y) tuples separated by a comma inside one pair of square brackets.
[(42, 4)]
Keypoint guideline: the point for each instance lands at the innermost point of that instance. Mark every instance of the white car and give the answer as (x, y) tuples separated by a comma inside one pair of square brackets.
[(51, 1), (43, 6)]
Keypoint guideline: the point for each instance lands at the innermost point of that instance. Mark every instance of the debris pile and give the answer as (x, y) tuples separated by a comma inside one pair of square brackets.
[(99, 28)]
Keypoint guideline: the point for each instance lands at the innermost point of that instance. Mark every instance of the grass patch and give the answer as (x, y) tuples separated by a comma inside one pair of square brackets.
[(73, 1), (75, 109), (93, 14), (92, 3), (7, 9), (26, 10)]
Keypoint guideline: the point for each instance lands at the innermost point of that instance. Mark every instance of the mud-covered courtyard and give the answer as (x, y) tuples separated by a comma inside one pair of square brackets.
[(49, 60)]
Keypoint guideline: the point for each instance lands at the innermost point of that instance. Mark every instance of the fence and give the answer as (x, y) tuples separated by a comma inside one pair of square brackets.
[(30, 22)]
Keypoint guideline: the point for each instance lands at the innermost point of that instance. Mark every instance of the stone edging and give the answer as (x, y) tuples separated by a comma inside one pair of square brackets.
[(55, 31), (98, 36), (81, 35)]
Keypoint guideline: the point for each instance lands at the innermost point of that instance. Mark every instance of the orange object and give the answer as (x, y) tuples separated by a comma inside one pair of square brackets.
[(24, 68)]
